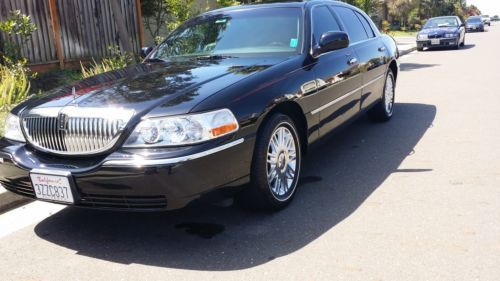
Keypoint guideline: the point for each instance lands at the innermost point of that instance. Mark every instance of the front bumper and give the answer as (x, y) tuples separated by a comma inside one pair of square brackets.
[(443, 42), (143, 180), (472, 29)]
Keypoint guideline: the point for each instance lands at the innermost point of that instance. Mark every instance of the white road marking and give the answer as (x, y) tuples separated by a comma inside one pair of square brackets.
[(26, 215)]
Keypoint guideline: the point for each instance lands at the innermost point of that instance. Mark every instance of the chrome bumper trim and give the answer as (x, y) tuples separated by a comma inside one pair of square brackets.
[(141, 162)]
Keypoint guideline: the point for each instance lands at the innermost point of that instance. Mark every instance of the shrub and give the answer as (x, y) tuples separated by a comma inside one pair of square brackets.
[(116, 61), (18, 28), (386, 26), (14, 85)]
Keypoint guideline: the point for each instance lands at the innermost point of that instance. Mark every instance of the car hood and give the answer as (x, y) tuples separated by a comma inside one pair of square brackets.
[(175, 86), (439, 30)]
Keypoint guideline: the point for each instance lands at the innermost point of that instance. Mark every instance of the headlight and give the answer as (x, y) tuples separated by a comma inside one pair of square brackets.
[(450, 35), (13, 128), (423, 37), (183, 129)]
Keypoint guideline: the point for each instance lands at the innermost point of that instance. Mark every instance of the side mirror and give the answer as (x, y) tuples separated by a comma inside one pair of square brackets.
[(145, 51), (462, 24), (331, 41)]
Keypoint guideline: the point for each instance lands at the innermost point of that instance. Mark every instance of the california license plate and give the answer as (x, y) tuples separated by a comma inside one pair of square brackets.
[(52, 185), (435, 41)]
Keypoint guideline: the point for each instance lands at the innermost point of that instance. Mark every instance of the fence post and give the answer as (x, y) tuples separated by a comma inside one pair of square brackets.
[(138, 9), (56, 32)]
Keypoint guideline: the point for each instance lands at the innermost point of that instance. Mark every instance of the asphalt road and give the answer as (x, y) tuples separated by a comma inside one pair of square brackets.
[(417, 198)]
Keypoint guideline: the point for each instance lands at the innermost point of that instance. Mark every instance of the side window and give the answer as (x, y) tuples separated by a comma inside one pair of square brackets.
[(323, 21), (352, 24), (366, 25)]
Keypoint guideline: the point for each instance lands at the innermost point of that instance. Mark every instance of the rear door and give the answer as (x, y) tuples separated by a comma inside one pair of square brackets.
[(337, 75), (369, 50)]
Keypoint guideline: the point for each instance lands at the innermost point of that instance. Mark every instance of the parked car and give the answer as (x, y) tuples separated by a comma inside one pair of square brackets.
[(495, 18), (230, 101), (486, 20), (474, 23), (441, 32)]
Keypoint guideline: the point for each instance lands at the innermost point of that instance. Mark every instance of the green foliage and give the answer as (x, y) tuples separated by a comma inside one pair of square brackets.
[(167, 14), (3, 116), (14, 85), (386, 26), (16, 25), (179, 11), (117, 60), (227, 3)]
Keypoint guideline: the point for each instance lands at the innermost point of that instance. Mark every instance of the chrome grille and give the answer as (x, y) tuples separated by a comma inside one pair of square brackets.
[(66, 134)]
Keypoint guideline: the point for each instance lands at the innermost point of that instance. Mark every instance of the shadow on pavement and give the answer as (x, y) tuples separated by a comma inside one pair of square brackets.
[(414, 66), (338, 176)]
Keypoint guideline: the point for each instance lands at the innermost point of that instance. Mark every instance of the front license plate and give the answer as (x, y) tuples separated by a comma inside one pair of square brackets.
[(435, 41), (52, 187)]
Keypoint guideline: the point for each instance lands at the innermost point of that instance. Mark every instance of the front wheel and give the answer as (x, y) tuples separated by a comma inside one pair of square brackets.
[(384, 109), (276, 165)]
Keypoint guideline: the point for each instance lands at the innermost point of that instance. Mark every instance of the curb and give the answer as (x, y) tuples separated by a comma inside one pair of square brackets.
[(9, 200), (407, 51)]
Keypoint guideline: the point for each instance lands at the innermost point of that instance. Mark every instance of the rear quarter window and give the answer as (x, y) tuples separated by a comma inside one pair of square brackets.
[(352, 24)]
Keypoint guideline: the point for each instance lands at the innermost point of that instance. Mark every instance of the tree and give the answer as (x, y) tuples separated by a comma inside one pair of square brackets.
[(165, 15)]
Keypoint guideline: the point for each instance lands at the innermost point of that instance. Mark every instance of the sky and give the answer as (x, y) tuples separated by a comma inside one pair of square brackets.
[(487, 7)]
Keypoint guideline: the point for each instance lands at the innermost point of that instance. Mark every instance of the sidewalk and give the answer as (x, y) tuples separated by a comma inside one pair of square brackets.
[(406, 44), (9, 200)]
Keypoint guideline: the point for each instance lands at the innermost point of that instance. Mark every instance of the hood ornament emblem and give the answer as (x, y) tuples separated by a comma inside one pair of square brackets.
[(75, 96), (73, 93)]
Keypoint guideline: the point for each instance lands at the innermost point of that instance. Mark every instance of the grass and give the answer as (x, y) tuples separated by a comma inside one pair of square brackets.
[(3, 115), (44, 82), (399, 33)]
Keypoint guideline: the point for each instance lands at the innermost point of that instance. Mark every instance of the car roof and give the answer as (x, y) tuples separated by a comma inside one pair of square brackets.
[(297, 4), (443, 17)]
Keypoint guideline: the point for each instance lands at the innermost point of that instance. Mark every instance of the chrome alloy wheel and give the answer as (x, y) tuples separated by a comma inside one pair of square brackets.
[(389, 95), (282, 163)]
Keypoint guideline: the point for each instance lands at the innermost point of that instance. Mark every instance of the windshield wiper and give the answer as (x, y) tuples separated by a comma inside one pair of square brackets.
[(213, 57), (154, 60)]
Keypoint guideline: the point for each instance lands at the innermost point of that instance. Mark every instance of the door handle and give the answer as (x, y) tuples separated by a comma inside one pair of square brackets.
[(352, 61), (381, 49)]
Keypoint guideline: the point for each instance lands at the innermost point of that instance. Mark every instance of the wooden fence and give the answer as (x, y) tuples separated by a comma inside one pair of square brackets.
[(73, 30)]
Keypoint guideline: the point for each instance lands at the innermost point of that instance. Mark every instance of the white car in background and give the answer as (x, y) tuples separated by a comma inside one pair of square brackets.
[(486, 20)]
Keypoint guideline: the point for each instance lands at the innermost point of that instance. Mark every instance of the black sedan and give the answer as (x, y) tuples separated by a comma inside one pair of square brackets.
[(441, 32), (474, 23), (230, 102)]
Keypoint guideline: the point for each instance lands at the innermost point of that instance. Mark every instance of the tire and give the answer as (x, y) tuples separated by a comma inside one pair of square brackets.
[(420, 48), (463, 43), (277, 137), (384, 109)]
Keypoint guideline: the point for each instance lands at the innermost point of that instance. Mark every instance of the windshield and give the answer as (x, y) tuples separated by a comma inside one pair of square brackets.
[(261, 31), (441, 22), (475, 19)]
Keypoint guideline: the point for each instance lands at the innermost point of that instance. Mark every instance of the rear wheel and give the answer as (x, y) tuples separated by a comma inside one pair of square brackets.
[(276, 165), (384, 109)]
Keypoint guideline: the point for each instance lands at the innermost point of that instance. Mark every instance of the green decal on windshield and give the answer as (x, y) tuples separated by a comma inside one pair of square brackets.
[(294, 42)]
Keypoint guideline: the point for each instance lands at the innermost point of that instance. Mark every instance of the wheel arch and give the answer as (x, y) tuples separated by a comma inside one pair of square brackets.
[(293, 110), (395, 69)]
